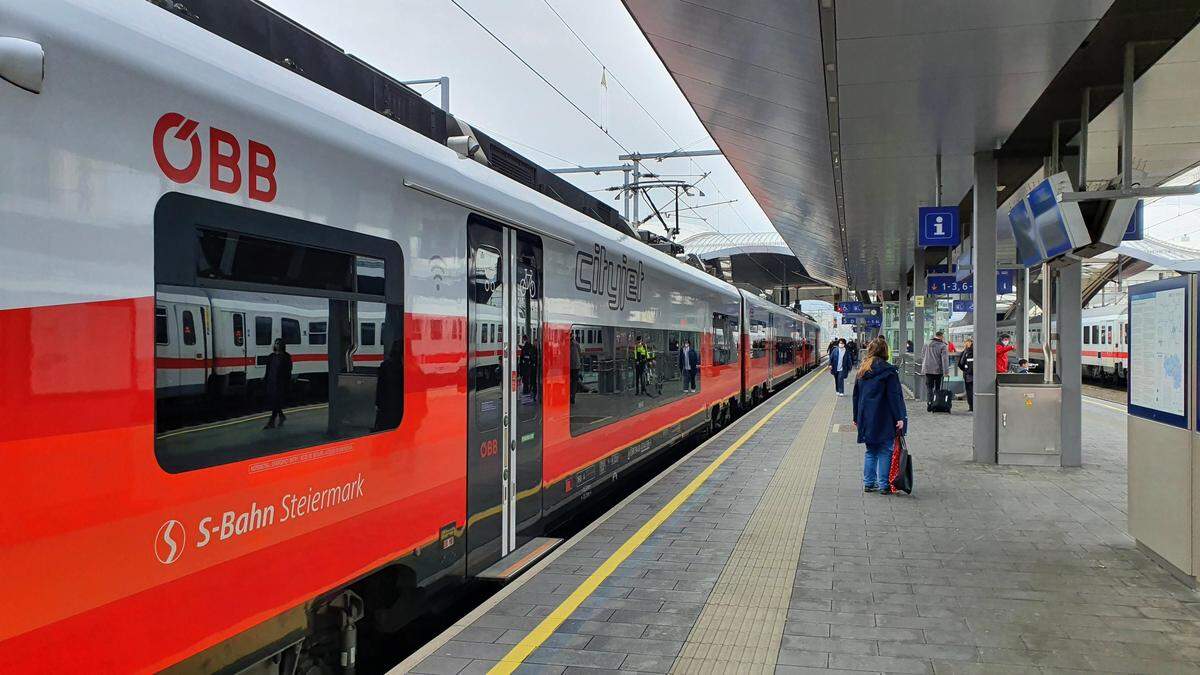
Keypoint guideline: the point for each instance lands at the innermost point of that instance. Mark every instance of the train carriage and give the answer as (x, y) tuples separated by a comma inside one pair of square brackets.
[(464, 356)]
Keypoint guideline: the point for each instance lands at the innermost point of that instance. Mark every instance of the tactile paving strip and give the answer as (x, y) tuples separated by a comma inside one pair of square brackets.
[(741, 625)]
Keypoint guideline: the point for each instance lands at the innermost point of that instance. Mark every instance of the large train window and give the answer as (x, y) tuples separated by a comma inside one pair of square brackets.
[(725, 338), (618, 372), (226, 398)]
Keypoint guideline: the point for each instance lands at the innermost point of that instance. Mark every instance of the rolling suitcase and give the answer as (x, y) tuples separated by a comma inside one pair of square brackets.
[(942, 400), (901, 475)]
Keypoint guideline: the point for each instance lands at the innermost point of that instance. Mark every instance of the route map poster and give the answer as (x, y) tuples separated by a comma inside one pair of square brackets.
[(1158, 352)]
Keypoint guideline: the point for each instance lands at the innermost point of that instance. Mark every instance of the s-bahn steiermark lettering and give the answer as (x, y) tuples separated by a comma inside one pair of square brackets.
[(172, 535), (598, 274)]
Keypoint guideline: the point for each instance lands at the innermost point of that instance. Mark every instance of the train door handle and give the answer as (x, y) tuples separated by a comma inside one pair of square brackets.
[(199, 356)]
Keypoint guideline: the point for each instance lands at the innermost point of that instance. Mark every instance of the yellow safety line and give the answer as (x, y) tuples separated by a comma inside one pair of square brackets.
[(517, 655)]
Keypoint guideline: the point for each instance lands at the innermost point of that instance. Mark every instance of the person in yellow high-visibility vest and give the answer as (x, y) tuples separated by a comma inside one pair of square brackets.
[(641, 358)]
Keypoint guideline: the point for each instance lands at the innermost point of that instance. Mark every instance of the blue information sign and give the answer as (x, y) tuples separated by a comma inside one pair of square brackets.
[(850, 307), (875, 321), (1134, 231), (850, 320), (1006, 281), (964, 305), (938, 226), (947, 284)]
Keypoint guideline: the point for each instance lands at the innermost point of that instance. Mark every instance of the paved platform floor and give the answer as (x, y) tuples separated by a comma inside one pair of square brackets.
[(779, 563)]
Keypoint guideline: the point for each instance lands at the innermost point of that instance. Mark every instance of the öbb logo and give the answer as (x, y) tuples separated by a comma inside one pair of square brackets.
[(224, 158)]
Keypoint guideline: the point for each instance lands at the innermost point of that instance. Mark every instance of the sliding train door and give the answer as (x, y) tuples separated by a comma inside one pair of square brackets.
[(504, 398)]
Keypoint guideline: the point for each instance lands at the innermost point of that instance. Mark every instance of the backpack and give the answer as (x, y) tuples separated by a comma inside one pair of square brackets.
[(901, 475), (942, 401)]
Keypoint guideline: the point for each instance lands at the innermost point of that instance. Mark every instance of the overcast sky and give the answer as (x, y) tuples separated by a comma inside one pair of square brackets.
[(490, 88)]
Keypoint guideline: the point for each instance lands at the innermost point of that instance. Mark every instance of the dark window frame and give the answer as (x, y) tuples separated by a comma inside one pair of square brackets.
[(163, 337), (259, 322), (178, 219), (189, 328)]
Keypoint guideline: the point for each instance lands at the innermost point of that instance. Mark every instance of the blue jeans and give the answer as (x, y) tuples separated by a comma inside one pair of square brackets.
[(839, 381), (877, 464)]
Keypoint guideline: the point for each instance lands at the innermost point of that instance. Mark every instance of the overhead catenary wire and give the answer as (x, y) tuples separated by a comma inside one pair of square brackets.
[(597, 124), (538, 73), (706, 176)]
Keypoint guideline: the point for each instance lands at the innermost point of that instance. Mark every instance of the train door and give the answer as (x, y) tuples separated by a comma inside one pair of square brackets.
[(191, 326), (504, 398), (231, 353)]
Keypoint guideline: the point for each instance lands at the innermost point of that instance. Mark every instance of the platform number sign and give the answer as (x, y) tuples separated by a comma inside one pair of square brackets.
[(938, 226)]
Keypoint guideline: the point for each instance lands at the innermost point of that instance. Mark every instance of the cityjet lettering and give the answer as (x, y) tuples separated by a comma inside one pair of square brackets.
[(292, 506), (598, 274), (180, 154)]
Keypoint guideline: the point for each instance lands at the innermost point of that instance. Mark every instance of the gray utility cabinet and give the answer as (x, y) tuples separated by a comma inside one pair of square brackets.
[(1028, 420)]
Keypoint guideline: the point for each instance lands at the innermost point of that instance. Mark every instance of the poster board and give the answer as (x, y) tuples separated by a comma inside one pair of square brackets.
[(1158, 351)]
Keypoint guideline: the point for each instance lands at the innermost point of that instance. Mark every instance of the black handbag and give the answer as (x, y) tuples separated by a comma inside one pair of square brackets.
[(901, 475)]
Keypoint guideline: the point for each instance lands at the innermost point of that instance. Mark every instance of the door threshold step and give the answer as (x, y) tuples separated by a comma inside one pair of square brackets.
[(521, 559)]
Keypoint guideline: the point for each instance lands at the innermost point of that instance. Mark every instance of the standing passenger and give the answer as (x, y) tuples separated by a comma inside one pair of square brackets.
[(277, 380), (689, 365), (1003, 347), (879, 414), (641, 357), (389, 389), (576, 367), (935, 363), (839, 365), (966, 364)]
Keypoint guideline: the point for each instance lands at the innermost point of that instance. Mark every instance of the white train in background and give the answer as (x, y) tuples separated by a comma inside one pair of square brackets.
[(1105, 348)]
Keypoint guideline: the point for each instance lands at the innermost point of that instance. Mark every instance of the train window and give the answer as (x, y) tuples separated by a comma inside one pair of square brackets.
[(725, 338), (263, 327), (289, 330), (366, 334), (1124, 333), (1095, 335), (1109, 341), (318, 332), (189, 329), (625, 371), (234, 405), (162, 330)]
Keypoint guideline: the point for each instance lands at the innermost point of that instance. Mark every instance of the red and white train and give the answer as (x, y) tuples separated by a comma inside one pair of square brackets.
[(171, 205), (1104, 352)]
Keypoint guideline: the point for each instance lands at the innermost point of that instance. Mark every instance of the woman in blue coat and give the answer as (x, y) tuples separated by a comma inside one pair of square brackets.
[(879, 414)]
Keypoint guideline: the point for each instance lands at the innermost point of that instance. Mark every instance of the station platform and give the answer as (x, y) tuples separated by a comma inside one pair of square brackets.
[(759, 553)]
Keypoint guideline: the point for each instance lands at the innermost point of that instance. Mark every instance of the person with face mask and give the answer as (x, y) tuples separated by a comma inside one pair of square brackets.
[(689, 366), (839, 366), (1003, 347)]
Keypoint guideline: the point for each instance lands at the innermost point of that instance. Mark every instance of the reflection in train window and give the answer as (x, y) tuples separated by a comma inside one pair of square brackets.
[(725, 338), (162, 334), (242, 399), (189, 329), (318, 333), (624, 371), (263, 327), (366, 335), (289, 330)]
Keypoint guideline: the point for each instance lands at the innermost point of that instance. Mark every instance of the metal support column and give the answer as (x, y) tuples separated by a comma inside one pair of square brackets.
[(1127, 119), (1021, 331), (919, 287), (901, 355), (983, 256), (1070, 342)]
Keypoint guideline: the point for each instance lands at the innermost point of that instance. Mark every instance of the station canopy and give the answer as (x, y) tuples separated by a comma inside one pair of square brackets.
[(834, 112), (759, 259)]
